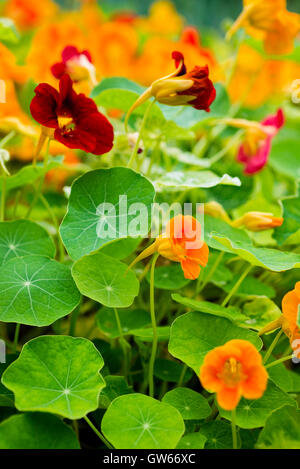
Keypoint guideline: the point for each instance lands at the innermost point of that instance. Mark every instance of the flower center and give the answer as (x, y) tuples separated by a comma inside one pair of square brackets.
[(232, 372), (66, 123)]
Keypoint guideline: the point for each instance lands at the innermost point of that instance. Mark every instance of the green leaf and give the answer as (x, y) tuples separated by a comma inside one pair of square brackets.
[(169, 370), (254, 413), (98, 212), (115, 386), (289, 231), (250, 286), (136, 421), (56, 374), (192, 441), (191, 404), (169, 277), (105, 280), (284, 155), (6, 396), (38, 291), (284, 378), (8, 31), (221, 275), (118, 83), (282, 430), (218, 435), (130, 319), (175, 181), (260, 312), (146, 334), (36, 431), (29, 174), (231, 312), (215, 225), (120, 248), (194, 334), (23, 237)]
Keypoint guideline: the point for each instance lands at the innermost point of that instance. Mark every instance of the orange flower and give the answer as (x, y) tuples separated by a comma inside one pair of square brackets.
[(289, 320), (234, 370), (258, 221), (270, 21), (163, 19), (28, 14), (181, 242)]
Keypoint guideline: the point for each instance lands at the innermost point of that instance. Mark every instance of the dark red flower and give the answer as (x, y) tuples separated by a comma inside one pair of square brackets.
[(76, 121)]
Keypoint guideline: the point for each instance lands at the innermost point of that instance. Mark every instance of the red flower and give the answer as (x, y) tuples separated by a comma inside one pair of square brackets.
[(76, 64), (76, 121)]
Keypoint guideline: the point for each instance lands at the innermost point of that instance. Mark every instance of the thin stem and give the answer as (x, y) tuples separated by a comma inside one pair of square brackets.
[(182, 375), (236, 286), (154, 328), (56, 224), (136, 147), (16, 338), (212, 270), (280, 360), (3, 197), (98, 433), (272, 346), (73, 320), (17, 200), (123, 342), (233, 429), (7, 138)]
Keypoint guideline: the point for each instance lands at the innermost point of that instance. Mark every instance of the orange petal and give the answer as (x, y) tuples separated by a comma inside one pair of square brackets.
[(190, 269), (254, 387), (228, 398)]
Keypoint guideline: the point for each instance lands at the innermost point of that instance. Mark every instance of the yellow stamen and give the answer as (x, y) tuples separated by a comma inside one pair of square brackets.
[(64, 121)]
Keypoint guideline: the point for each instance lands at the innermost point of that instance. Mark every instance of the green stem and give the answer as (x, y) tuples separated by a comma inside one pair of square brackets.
[(182, 375), (272, 346), (236, 286), (7, 138), (212, 270), (3, 197), (56, 225), (280, 360), (154, 328), (98, 433), (136, 147), (16, 338), (233, 429), (123, 342), (73, 320)]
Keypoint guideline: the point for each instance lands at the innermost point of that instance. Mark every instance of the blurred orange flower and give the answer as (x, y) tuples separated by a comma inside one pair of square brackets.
[(234, 370), (270, 21), (163, 19), (29, 14), (258, 221)]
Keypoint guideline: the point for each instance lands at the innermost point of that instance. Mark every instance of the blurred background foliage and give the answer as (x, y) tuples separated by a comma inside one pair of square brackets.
[(209, 13)]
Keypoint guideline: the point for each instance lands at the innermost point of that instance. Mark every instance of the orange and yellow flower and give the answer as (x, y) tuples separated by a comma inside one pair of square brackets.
[(181, 242), (29, 14), (234, 370), (258, 221), (270, 21)]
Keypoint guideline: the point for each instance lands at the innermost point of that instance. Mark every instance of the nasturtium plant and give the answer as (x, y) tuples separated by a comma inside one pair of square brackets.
[(105, 280), (194, 334), (98, 209), (36, 430), (149, 227), (22, 238), (142, 422), (56, 374), (36, 291)]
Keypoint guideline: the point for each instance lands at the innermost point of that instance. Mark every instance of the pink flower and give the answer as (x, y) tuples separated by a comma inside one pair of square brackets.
[(254, 151), (78, 65)]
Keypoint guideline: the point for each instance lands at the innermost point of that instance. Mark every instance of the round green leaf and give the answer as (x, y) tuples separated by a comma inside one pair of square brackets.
[(169, 277), (191, 404), (218, 435), (56, 374), (254, 413), (89, 224), (23, 237), (115, 386), (194, 334), (260, 312), (169, 370), (282, 430), (129, 318), (192, 441), (36, 291), (182, 181), (36, 431), (6, 396), (135, 421), (105, 280)]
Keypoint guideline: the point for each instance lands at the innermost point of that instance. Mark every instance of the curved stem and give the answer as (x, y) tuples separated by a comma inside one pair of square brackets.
[(136, 147), (233, 429), (280, 360), (16, 338), (212, 270), (182, 375), (98, 433), (154, 328), (236, 286), (272, 346), (123, 342)]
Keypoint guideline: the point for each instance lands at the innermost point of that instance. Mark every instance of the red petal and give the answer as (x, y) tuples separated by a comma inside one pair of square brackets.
[(43, 106), (69, 52), (58, 69)]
